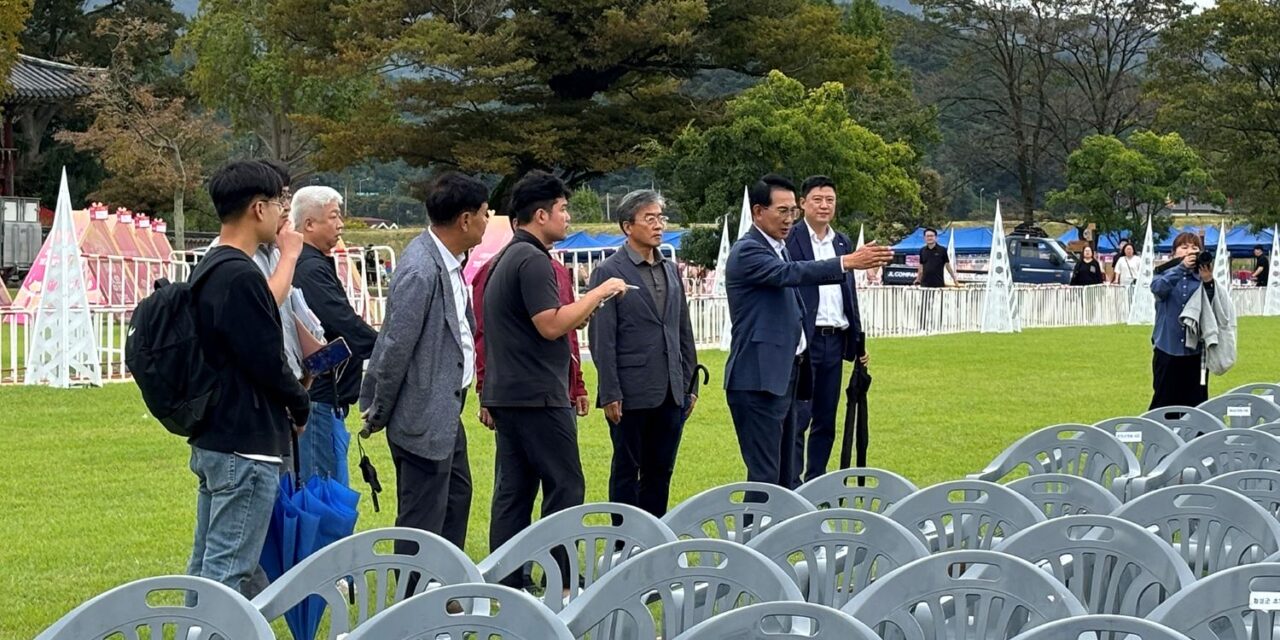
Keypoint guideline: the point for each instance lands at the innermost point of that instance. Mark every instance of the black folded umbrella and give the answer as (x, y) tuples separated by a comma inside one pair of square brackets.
[(855, 418)]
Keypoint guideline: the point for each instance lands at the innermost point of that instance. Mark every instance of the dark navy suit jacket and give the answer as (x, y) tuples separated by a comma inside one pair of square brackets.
[(800, 247), (767, 313)]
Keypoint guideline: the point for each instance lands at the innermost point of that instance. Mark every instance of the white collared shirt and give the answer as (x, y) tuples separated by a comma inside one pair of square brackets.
[(461, 301), (830, 298), (778, 247)]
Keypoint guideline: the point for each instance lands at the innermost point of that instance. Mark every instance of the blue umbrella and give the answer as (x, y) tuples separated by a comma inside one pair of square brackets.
[(305, 519)]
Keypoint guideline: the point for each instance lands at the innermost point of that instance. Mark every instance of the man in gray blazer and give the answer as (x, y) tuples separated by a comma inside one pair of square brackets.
[(643, 350), (424, 362)]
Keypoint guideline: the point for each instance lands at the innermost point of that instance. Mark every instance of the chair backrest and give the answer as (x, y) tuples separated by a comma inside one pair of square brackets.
[(735, 511), (691, 579), (834, 553), (1058, 495), (992, 596), (1272, 428), (1102, 628), (857, 488), (965, 514), (584, 542), (1239, 410), (216, 613), (1072, 449), (1259, 485), (1237, 604), (492, 611), (367, 559), (1186, 422), (1211, 455), (1111, 565), (781, 621), (1211, 528), (1149, 440), (1267, 390)]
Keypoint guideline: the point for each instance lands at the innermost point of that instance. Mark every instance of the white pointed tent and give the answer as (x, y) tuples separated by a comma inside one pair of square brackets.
[(64, 346), (999, 308), (1222, 266), (1271, 307), (860, 277), (744, 225), (951, 257), (1142, 303)]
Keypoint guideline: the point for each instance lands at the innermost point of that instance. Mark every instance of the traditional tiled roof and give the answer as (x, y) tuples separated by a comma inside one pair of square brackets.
[(36, 80)]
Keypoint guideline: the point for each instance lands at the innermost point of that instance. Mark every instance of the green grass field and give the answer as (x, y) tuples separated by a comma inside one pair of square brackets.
[(94, 493)]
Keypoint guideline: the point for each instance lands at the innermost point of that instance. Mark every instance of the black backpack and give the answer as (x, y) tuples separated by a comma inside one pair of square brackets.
[(164, 354)]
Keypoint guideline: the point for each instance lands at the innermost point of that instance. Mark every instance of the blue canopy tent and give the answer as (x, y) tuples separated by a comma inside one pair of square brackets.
[(967, 240), (583, 241)]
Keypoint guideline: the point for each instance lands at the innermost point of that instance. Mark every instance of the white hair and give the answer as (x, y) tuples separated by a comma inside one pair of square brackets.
[(310, 201)]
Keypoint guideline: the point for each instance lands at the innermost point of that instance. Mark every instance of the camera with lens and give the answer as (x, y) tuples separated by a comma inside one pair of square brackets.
[(1204, 260)]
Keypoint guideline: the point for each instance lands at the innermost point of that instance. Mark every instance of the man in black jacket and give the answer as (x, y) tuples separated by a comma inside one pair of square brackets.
[(238, 449), (322, 449)]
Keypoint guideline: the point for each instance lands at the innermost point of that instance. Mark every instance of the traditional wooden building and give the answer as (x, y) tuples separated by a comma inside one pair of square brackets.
[(37, 89)]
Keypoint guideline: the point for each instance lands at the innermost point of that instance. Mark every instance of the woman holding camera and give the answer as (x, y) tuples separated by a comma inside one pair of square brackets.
[(1178, 371)]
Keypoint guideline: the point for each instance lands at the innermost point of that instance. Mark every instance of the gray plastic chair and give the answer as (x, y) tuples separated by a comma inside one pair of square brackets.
[(1210, 527), (1060, 495), (390, 575), (834, 553), (495, 611), (1272, 428), (724, 512), (1149, 440), (1219, 607), (1211, 455), (1073, 449), (963, 594), (592, 539), (1187, 422), (1111, 565), (1266, 390), (1102, 628), (857, 488), (781, 621), (1260, 485), (1242, 410), (965, 514), (691, 579), (123, 612)]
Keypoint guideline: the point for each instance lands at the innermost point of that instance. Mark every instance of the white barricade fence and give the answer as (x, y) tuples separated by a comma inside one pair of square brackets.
[(110, 322)]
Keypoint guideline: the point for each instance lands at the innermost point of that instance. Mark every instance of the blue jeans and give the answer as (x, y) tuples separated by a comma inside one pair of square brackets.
[(233, 509), (322, 447)]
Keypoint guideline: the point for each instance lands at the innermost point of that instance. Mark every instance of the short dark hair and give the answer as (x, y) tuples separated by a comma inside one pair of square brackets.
[(451, 194), (930, 229), (815, 182), (281, 169), (238, 183), (1188, 237), (1258, 247), (761, 193), (536, 190)]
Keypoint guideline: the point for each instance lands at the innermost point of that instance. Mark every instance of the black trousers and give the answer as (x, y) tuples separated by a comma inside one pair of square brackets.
[(766, 428), (817, 416), (645, 442), (1175, 380), (434, 495)]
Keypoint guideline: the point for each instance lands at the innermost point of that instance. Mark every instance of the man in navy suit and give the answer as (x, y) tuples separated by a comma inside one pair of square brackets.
[(832, 326), (763, 374)]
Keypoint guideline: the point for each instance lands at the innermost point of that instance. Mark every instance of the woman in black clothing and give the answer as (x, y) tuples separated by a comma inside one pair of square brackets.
[(1088, 270)]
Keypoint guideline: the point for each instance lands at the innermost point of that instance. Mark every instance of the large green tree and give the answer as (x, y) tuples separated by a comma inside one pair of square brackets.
[(1218, 79), (574, 86), (1116, 183), (255, 61), (13, 14), (779, 126)]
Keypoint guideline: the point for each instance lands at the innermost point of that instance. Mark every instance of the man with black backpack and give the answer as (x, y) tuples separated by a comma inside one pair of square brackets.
[(238, 444)]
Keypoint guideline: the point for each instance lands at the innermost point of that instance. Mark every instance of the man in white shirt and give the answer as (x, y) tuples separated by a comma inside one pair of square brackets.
[(832, 325), (423, 363)]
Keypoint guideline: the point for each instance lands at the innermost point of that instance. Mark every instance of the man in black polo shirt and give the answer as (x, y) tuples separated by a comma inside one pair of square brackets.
[(933, 259), (527, 363), (1262, 266)]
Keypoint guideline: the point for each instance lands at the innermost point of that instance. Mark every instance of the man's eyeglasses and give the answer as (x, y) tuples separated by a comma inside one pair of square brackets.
[(791, 212)]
